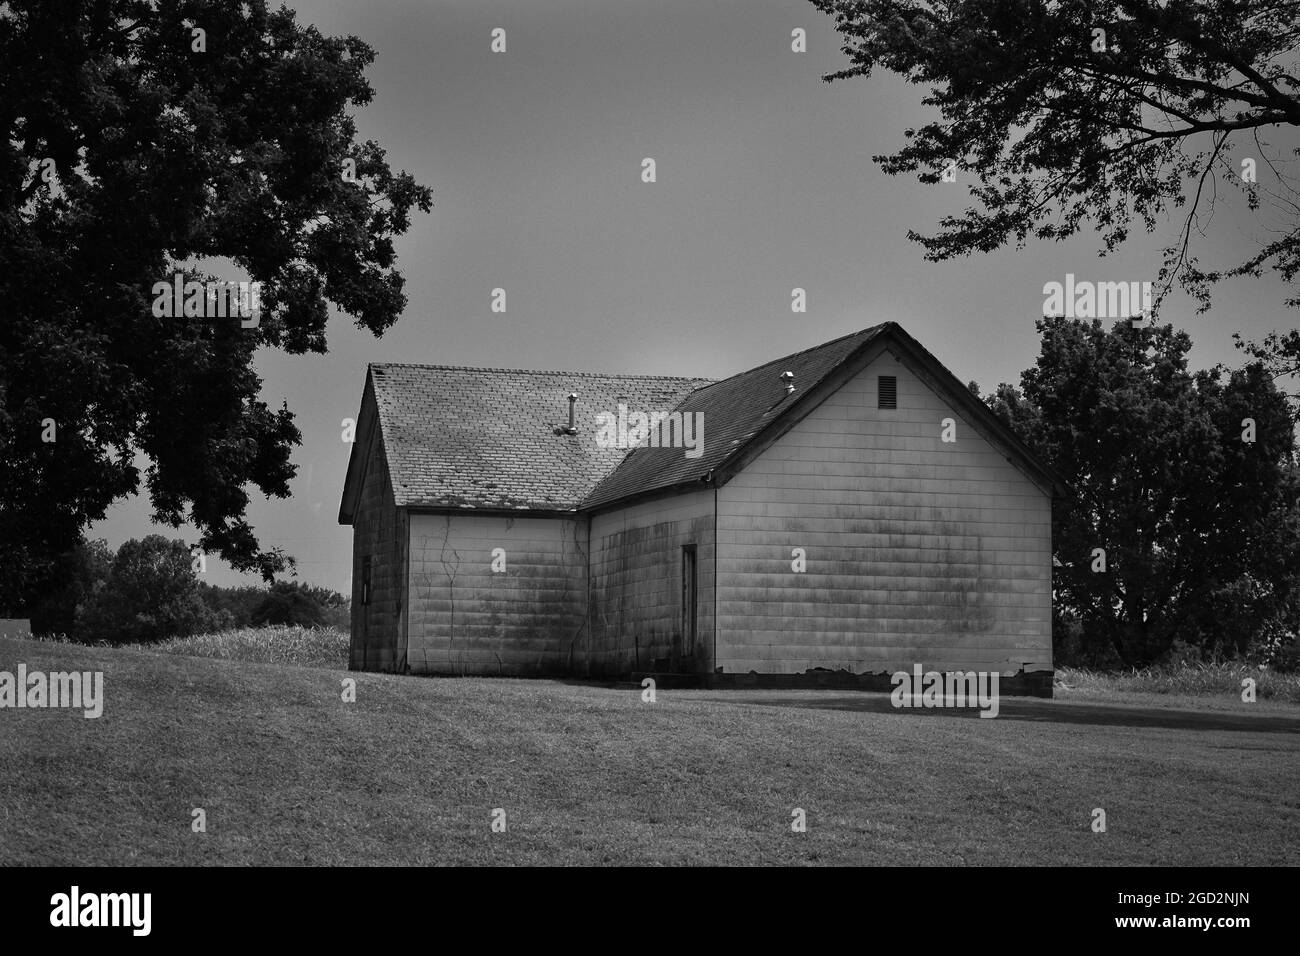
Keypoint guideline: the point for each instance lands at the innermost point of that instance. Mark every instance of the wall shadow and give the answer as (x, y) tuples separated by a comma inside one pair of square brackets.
[(1033, 709)]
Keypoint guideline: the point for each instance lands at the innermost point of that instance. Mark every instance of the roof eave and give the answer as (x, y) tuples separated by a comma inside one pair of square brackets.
[(649, 494), (1051, 478)]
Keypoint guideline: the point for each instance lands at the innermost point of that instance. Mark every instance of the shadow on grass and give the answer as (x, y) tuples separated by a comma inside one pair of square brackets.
[(1034, 709)]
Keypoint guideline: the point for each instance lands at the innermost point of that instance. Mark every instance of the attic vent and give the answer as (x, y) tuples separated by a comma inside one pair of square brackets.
[(887, 391)]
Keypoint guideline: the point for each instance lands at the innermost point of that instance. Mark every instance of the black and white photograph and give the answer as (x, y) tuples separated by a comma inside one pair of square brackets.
[(651, 433)]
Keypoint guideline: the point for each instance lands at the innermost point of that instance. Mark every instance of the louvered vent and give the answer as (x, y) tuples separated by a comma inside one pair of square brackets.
[(887, 391)]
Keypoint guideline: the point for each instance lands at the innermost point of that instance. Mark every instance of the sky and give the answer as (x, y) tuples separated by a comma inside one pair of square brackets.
[(764, 183)]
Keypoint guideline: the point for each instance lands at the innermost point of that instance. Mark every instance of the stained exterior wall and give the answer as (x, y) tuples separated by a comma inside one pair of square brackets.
[(466, 618), (636, 585), (378, 532), (918, 551)]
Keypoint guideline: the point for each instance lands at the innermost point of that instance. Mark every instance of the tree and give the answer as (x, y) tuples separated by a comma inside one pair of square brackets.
[(1279, 353), (238, 601), (288, 603), (142, 139), (1183, 521), (336, 608), (1105, 112), (151, 594), (76, 573), (325, 597)]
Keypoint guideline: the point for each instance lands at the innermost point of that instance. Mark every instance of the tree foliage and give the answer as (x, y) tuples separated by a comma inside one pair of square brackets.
[(1279, 353), (1198, 515), (1106, 113), (288, 603), (151, 594), (73, 581), (238, 601), (133, 146), (251, 606)]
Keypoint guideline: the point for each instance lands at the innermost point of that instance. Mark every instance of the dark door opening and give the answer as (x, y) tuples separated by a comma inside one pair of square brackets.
[(690, 602)]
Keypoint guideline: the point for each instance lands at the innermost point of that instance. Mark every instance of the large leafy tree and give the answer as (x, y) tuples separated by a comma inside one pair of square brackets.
[(150, 593), (73, 581), (1099, 113), (1186, 480), (138, 137), (1279, 353)]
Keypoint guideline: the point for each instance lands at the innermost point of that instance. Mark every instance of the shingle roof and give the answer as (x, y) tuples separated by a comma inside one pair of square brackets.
[(735, 410), (484, 437)]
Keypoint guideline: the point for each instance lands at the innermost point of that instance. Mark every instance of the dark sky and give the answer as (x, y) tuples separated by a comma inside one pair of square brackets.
[(765, 183)]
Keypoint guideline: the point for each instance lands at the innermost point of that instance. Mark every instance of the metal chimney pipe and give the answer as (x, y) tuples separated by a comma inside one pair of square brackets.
[(572, 427)]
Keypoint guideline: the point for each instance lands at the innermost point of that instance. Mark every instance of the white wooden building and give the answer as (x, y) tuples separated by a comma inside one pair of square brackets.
[(843, 513)]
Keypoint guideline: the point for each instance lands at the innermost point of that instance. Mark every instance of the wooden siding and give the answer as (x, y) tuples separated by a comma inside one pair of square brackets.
[(467, 619), (379, 533), (918, 551), (636, 584)]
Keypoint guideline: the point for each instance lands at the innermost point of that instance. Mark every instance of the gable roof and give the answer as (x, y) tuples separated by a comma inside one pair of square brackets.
[(734, 411), (484, 438), (748, 412)]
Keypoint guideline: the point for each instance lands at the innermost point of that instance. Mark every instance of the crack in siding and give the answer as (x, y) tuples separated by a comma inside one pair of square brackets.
[(451, 589), (564, 596)]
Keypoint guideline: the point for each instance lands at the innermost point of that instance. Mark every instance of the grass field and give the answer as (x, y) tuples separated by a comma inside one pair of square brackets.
[(288, 773)]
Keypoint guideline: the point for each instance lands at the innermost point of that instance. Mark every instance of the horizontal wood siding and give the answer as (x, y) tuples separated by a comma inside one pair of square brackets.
[(378, 532), (467, 619), (918, 551), (636, 584)]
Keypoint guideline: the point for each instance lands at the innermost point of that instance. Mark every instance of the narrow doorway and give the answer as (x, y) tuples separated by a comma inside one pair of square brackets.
[(689, 600)]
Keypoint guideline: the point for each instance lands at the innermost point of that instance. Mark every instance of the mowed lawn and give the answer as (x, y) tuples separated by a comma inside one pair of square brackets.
[(288, 773)]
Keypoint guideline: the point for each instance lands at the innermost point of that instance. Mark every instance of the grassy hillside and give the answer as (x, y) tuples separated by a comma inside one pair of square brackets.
[(289, 773)]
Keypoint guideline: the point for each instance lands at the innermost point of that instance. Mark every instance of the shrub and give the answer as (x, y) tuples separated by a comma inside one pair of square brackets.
[(1072, 646), (151, 593), (288, 603)]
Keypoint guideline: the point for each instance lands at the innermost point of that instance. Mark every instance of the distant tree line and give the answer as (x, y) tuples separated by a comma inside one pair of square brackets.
[(149, 591)]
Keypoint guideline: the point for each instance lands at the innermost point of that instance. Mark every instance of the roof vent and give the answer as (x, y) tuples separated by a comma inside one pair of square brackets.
[(571, 428), (788, 379)]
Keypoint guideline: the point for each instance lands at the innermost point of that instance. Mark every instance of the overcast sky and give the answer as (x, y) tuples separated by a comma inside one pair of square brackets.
[(764, 183)]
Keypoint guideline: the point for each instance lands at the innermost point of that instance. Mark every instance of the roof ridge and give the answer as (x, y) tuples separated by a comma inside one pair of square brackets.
[(541, 371), (821, 360), (625, 375), (812, 348)]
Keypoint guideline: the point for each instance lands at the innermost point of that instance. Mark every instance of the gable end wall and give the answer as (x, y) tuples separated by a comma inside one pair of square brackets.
[(918, 551), (379, 532), (527, 619)]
